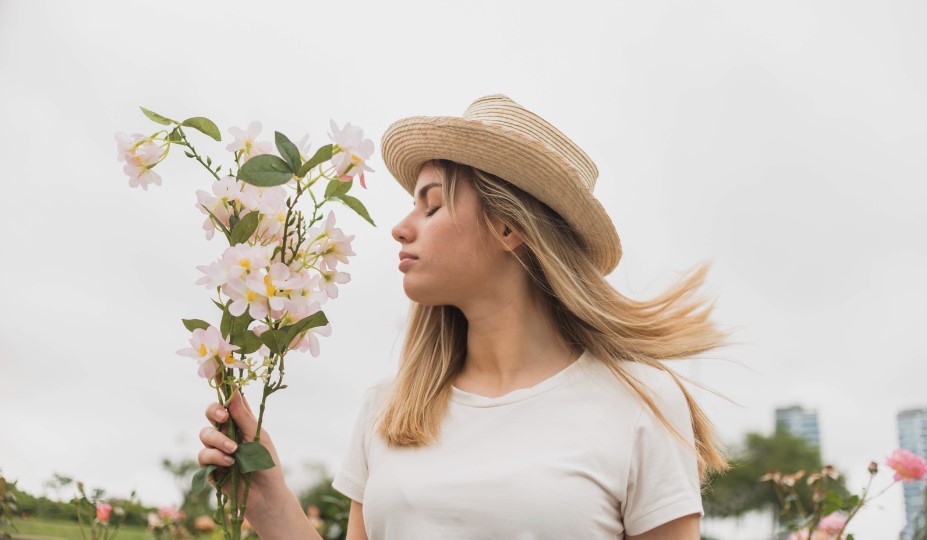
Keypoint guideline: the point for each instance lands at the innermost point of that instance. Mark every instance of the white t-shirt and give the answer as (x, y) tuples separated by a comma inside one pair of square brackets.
[(574, 456)]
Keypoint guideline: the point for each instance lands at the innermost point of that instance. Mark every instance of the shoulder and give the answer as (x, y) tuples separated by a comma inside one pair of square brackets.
[(658, 384)]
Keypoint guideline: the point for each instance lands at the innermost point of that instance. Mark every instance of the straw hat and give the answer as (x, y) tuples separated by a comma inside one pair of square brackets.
[(499, 136)]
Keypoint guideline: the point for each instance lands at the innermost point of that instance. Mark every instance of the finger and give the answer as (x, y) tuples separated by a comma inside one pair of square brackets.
[(216, 413), (212, 438), (244, 418), (211, 456)]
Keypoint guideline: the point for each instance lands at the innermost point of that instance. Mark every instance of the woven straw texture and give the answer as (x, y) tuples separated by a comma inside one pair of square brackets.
[(499, 136)]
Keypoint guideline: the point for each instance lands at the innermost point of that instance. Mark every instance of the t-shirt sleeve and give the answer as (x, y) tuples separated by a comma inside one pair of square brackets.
[(663, 482), (351, 478)]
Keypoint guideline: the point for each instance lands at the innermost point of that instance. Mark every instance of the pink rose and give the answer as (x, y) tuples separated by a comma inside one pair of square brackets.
[(908, 466), (832, 523), (103, 511), (169, 513)]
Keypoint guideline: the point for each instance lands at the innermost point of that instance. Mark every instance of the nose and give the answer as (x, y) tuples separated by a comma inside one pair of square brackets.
[(402, 232)]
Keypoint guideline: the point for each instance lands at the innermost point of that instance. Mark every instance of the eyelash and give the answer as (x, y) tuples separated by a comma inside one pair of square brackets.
[(430, 212)]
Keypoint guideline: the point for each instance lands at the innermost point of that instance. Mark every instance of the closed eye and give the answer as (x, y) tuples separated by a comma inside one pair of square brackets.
[(430, 212)]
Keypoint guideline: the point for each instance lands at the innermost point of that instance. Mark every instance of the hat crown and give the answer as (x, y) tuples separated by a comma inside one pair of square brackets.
[(501, 110)]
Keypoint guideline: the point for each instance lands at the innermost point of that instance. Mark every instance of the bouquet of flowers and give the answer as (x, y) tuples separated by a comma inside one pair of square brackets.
[(831, 514), (280, 267)]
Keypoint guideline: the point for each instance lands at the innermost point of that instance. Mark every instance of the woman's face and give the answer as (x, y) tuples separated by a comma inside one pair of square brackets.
[(455, 262)]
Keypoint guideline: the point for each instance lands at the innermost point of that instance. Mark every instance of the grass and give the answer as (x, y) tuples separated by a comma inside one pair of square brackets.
[(68, 530)]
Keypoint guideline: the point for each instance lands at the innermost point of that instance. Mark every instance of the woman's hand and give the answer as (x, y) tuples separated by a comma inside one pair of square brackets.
[(268, 487)]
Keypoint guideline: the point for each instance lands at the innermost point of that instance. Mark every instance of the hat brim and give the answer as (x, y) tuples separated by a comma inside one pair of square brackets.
[(527, 163)]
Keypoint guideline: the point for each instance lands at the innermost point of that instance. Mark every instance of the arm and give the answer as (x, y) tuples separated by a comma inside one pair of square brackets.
[(356, 528), (684, 528)]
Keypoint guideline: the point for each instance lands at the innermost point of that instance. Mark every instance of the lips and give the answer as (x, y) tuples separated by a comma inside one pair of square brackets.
[(406, 255)]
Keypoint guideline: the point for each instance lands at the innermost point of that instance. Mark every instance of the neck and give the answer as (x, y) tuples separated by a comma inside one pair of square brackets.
[(512, 342)]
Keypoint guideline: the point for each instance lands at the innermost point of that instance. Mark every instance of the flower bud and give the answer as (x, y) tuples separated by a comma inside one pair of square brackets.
[(873, 467)]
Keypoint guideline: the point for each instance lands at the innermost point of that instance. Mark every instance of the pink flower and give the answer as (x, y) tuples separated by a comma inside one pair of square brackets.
[(103, 511), (169, 513), (908, 466), (354, 152), (245, 141), (209, 347), (832, 523)]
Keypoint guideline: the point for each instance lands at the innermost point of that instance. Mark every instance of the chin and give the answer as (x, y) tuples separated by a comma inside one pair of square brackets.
[(421, 295)]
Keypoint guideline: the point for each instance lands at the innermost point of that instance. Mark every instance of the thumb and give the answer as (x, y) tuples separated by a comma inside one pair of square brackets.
[(243, 416)]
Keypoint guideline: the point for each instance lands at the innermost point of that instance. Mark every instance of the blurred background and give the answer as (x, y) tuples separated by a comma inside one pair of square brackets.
[(783, 142)]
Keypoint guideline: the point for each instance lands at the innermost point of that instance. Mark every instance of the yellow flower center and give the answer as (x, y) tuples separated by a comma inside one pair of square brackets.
[(203, 350), (229, 359), (269, 286), (246, 264)]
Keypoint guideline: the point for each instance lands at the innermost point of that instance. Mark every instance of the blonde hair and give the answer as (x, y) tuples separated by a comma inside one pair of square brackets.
[(589, 311)]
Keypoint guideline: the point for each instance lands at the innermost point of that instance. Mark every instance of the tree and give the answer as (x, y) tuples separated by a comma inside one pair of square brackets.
[(739, 490)]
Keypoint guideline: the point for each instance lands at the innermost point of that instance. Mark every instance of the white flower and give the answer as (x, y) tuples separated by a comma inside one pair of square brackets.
[(329, 279), (140, 155), (303, 145), (245, 143), (209, 348), (266, 200), (355, 150), (221, 203), (330, 243), (236, 262)]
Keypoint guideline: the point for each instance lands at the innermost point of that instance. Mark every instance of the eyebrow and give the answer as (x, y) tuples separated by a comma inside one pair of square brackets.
[(424, 191)]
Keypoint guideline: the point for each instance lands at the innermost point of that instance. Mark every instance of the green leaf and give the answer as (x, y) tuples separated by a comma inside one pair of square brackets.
[(852, 501), (322, 155), (265, 170), (850, 537), (193, 324), (288, 150), (312, 321), (174, 136), (252, 456), (204, 125), (357, 206), (218, 305), (233, 325), (337, 188), (199, 483), (274, 339), (243, 230), (163, 120), (188, 154), (247, 342)]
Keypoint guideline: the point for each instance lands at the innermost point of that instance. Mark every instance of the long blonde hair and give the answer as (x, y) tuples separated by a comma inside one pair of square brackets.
[(589, 311)]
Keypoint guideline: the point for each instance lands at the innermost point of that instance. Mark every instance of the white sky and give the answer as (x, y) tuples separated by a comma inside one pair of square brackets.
[(783, 141)]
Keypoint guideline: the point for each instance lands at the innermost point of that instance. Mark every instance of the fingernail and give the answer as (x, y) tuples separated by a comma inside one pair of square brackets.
[(230, 446), (220, 414), (228, 460)]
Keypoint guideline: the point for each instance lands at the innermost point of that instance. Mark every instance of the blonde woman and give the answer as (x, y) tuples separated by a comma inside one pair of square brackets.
[(530, 400)]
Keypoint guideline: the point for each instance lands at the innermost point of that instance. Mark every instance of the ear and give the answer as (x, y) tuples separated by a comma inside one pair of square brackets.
[(511, 239)]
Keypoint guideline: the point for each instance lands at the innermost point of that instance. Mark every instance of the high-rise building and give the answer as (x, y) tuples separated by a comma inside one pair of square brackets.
[(912, 436), (801, 423)]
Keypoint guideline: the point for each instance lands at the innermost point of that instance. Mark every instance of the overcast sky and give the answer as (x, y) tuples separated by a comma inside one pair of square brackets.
[(784, 142)]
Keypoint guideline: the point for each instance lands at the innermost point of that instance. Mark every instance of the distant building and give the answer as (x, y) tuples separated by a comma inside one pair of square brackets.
[(801, 423), (912, 436)]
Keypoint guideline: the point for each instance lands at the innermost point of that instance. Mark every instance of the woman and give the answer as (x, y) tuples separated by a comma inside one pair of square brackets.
[(530, 401)]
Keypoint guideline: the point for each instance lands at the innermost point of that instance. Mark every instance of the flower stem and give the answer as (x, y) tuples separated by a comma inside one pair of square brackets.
[(195, 154), (862, 501)]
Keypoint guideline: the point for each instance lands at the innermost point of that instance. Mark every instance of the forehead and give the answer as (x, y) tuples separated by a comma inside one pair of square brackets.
[(426, 175)]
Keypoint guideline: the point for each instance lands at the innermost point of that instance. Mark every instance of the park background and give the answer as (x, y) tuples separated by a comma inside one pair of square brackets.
[(782, 141)]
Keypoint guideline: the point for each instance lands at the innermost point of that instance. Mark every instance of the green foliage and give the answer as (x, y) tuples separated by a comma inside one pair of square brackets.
[(740, 490), (194, 504), (203, 125), (334, 507), (265, 170), (253, 456)]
